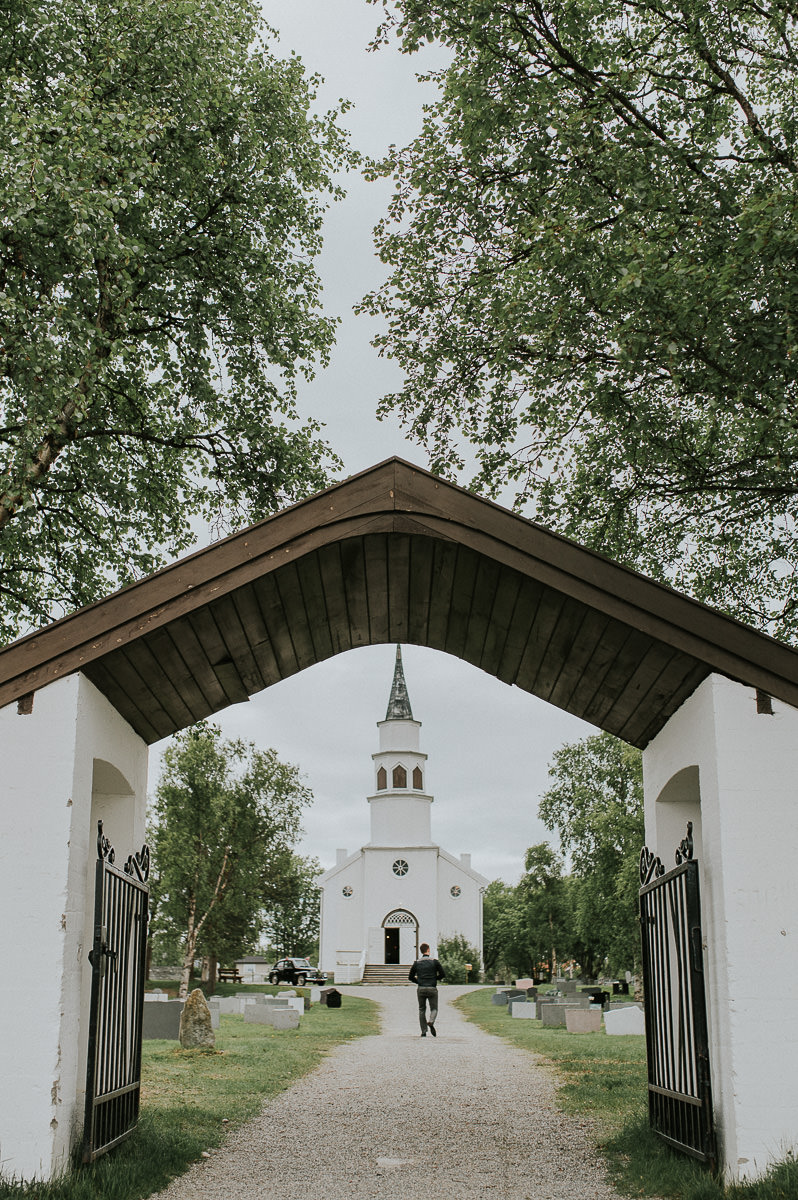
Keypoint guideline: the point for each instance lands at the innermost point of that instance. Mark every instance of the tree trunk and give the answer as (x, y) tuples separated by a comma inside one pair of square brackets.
[(188, 958), (209, 965)]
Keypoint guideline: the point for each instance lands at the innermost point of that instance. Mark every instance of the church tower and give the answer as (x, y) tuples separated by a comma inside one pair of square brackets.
[(400, 808), (400, 888)]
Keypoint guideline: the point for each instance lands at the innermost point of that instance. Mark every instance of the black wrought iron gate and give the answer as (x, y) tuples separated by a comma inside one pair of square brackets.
[(679, 1091), (118, 959)]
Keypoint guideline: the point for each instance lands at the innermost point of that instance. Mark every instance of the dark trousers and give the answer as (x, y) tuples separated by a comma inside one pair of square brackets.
[(427, 994)]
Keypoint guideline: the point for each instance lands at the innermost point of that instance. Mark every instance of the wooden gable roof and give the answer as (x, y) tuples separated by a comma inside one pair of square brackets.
[(396, 555)]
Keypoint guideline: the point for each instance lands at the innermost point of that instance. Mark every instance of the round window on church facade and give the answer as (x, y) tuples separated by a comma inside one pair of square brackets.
[(455, 890), (347, 891), (400, 867)]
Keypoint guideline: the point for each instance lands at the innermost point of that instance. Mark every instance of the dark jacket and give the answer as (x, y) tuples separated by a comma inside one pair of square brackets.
[(426, 972)]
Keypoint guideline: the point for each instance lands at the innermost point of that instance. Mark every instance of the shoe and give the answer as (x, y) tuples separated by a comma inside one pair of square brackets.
[(432, 1030), (423, 1035)]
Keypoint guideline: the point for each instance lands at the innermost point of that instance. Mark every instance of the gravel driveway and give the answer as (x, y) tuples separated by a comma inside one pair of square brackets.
[(461, 1116)]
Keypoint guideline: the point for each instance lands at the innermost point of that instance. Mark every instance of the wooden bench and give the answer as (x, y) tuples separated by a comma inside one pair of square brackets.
[(229, 975)]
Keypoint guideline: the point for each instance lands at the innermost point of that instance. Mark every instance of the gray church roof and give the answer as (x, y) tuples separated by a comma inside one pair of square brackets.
[(399, 702)]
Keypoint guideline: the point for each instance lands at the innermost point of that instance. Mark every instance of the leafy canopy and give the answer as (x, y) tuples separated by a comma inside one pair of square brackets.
[(292, 914), (225, 820), (527, 929), (162, 189), (592, 248), (595, 805)]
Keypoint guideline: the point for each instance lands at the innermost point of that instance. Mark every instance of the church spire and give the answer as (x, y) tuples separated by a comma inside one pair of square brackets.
[(399, 702)]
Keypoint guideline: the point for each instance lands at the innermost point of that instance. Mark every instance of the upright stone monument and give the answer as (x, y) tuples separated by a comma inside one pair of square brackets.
[(196, 1027)]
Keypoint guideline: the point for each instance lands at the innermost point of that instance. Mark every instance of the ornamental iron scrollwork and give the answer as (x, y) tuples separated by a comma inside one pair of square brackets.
[(684, 852), (652, 867), (105, 850), (138, 865)]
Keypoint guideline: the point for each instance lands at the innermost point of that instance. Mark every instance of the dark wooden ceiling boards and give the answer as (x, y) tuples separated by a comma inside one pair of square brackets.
[(395, 555)]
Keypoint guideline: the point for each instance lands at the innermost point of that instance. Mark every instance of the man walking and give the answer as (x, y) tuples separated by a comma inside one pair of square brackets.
[(425, 973)]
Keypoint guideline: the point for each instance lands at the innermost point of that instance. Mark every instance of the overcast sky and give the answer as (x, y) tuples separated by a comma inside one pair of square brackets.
[(489, 745)]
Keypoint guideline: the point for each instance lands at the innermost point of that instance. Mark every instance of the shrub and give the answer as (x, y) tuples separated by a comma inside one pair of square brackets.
[(453, 954)]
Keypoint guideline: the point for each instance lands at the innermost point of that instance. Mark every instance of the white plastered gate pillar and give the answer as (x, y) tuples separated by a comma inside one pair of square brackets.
[(69, 762), (733, 771)]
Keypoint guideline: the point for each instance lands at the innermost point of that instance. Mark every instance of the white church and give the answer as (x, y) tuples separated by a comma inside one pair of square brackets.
[(379, 903)]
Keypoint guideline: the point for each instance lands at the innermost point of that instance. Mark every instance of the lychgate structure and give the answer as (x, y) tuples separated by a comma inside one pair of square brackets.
[(397, 555)]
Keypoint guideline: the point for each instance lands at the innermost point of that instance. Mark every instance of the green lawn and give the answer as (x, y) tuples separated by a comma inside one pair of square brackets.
[(604, 1078), (191, 1098)]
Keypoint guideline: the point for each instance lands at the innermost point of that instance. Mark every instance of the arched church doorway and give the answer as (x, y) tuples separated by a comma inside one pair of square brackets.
[(400, 937)]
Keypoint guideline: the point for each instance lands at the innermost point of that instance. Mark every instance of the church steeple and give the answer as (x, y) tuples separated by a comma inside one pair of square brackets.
[(399, 702), (400, 807)]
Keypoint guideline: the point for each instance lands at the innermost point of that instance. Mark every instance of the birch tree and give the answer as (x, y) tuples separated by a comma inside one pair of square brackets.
[(225, 818)]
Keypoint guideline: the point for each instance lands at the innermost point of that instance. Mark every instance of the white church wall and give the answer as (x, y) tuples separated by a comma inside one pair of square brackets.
[(416, 891), (397, 820), (400, 737), (342, 916), (462, 913), (746, 765), (46, 864)]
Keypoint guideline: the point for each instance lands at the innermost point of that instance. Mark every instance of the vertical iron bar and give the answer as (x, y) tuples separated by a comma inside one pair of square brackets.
[(117, 1003), (677, 1045)]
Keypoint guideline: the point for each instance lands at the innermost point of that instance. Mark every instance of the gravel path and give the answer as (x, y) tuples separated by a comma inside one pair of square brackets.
[(459, 1117)]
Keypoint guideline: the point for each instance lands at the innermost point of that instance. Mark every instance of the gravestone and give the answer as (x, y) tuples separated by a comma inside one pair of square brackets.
[(522, 1008), (278, 1016), (196, 1030), (553, 1014), (162, 1020), (568, 987), (283, 1018), (622, 1021), (525, 984), (331, 997), (582, 1020), (578, 1000), (499, 998), (230, 1004)]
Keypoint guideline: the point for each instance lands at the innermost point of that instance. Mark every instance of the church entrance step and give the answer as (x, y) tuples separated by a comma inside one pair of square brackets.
[(385, 973)]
